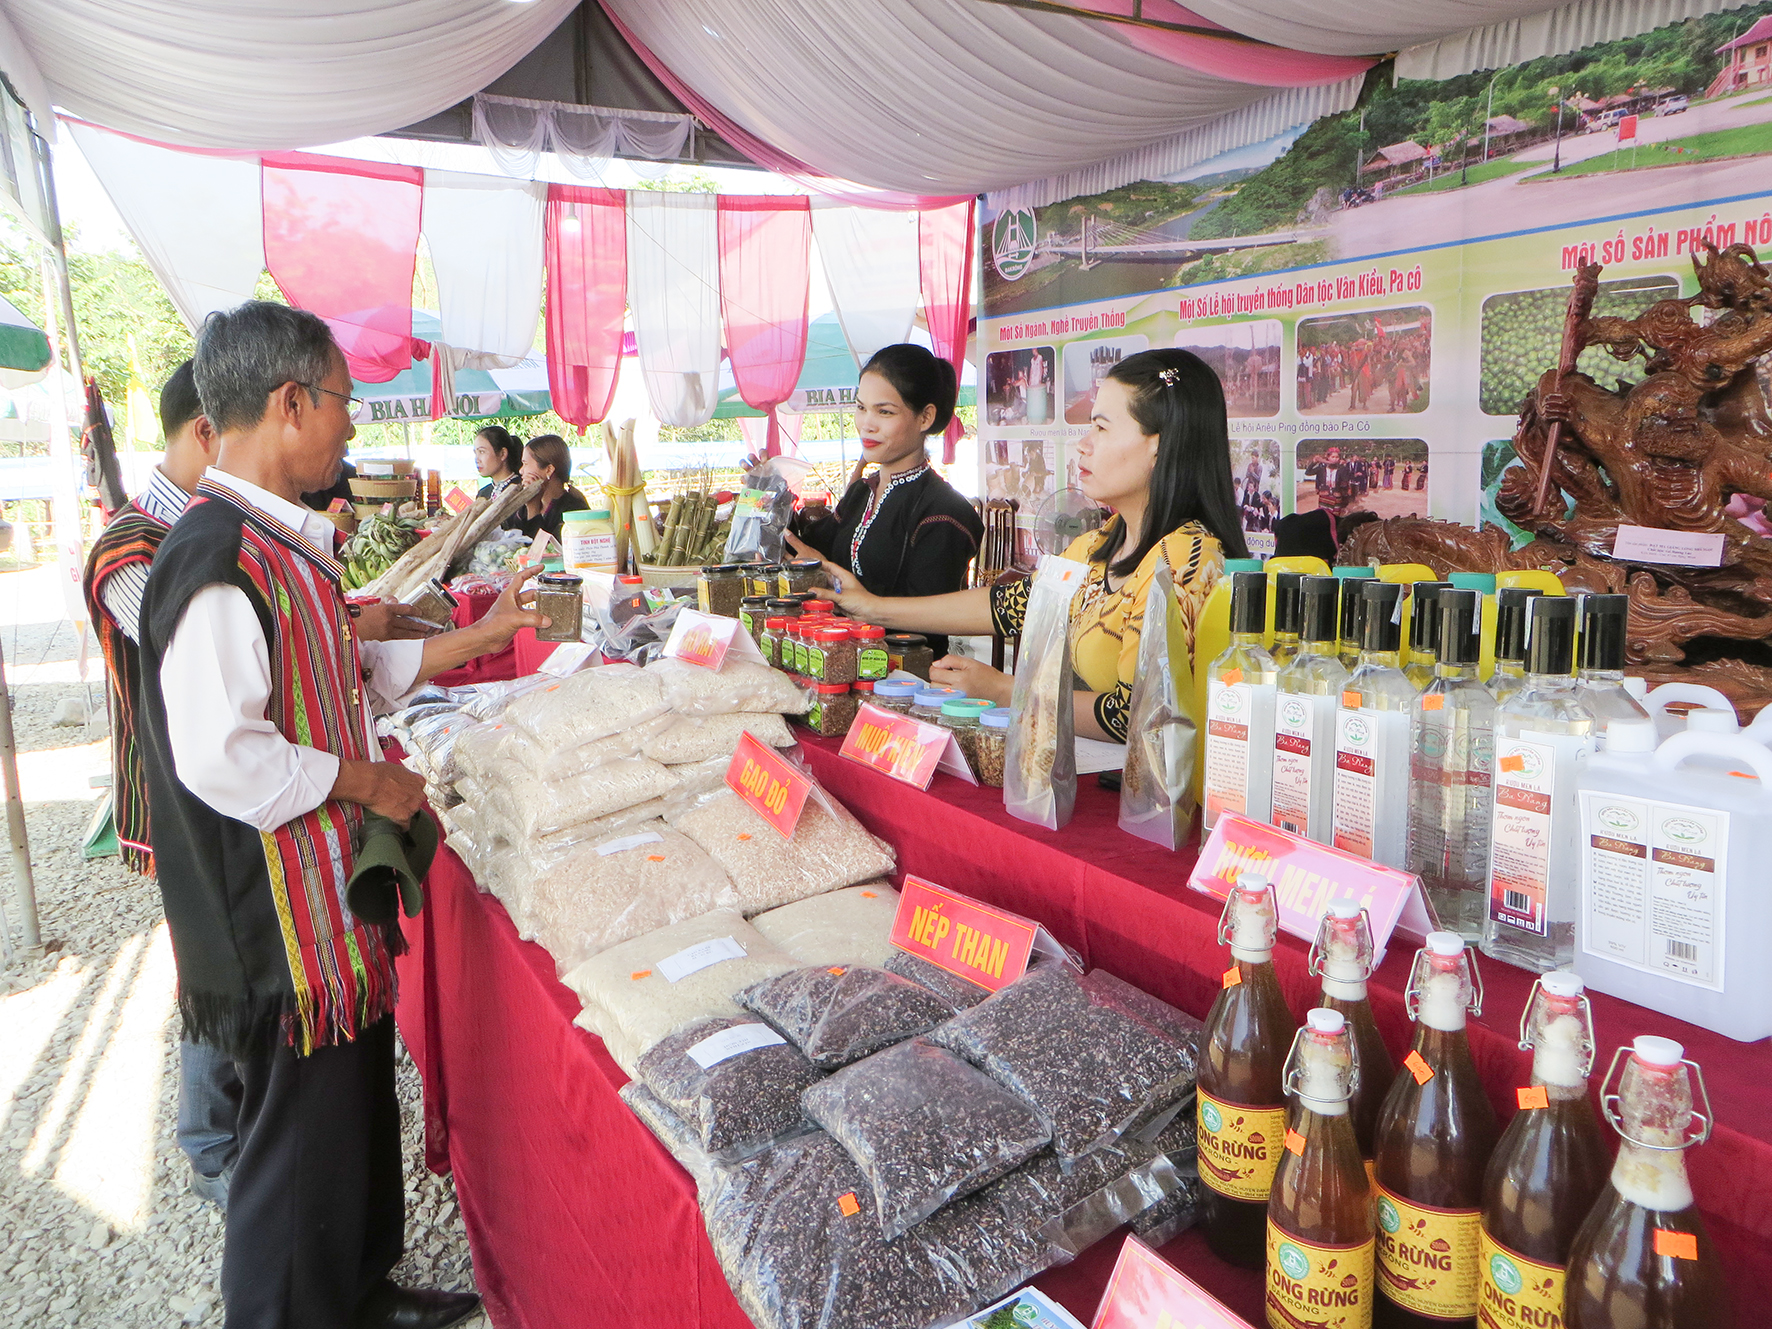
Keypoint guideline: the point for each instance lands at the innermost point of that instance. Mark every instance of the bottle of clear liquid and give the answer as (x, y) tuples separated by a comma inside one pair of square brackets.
[(1288, 617), (1643, 1257), (1353, 613), (1600, 680), (1240, 711), (1320, 1246), (1436, 1133), (1534, 852), (1342, 955), (1548, 1169), (1370, 816), (1451, 762), (1510, 639), (1241, 1103), (1309, 693), (1424, 631)]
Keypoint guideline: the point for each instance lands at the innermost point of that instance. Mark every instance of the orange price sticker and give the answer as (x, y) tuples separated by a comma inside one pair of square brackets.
[(1350, 699), (1533, 1096), (1513, 763), (1295, 1142), (1418, 1067), (638, 974), (1676, 1245), (1231, 977), (848, 1205), (1433, 701), (773, 788), (1231, 677)]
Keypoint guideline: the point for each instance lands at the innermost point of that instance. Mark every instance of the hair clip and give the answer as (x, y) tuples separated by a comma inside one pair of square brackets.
[(1170, 376)]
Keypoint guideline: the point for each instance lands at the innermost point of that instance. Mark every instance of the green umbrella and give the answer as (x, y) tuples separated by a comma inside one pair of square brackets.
[(480, 394), (827, 381), (24, 350)]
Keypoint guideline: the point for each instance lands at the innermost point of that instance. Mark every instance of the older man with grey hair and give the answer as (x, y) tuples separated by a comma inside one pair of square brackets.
[(261, 760)]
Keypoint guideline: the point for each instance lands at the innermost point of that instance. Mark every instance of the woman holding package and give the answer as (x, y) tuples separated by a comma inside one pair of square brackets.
[(902, 531), (1157, 453)]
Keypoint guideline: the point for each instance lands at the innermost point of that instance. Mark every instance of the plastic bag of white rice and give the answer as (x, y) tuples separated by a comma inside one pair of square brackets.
[(850, 926), (689, 738), (587, 706), (738, 685), (829, 849)]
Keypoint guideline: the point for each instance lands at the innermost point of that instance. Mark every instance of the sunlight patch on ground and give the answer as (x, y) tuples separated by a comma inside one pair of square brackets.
[(28, 1020), (63, 775)]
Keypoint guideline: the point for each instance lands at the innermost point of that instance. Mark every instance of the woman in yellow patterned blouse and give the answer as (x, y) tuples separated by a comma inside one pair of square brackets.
[(1158, 454)]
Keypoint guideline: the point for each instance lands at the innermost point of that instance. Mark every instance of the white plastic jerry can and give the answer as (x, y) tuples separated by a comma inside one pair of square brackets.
[(1674, 912), (1658, 700)]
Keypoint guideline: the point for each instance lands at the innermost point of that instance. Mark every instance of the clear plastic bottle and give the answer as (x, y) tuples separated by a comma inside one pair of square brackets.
[(1353, 613), (1549, 1167), (1436, 1133), (1510, 639), (1241, 1103), (1320, 1246), (1288, 616), (1451, 764), (1600, 679), (1534, 856), (1309, 693), (1342, 955), (1240, 711), (1371, 806), (1424, 631), (1643, 1257)]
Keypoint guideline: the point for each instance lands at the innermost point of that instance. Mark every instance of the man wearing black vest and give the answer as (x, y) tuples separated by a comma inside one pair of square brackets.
[(261, 762)]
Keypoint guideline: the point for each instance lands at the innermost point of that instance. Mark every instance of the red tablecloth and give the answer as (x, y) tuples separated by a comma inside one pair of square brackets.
[(577, 1216)]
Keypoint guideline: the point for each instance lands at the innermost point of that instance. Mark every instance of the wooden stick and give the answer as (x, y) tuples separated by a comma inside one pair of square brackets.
[(1581, 303)]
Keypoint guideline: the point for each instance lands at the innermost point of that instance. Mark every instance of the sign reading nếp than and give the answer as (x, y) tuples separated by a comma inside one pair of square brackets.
[(986, 946)]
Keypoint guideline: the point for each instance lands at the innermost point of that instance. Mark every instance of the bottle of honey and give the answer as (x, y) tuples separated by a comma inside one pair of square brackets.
[(1549, 1167), (1643, 1258), (1342, 955), (1436, 1132), (1241, 1109), (1319, 1215)]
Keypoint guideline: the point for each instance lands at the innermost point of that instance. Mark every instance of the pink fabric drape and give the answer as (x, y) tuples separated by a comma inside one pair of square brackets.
[(1226, 57), (765, 257), (587, 257), (341, 240), (944, 242)]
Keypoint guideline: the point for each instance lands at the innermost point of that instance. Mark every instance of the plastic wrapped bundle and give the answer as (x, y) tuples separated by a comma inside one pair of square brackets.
[(1176, 1212), (604, 892), (434, 740), (688, 738), (924, 1127), (534, 807), (738, 685), (587, 706), (959, 993), (850, 926), (1091, 1055), (490, 699), (829, 849), (842, 1013), (643, 990), (543, 759), (678, 1140), (1156, 787), (734, 1082)]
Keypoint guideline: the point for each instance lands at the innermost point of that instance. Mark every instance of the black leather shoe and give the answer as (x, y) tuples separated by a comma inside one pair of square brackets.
[(390, 1307)]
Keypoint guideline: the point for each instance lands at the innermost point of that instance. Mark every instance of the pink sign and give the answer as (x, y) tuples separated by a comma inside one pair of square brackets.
[(1146, 1292)]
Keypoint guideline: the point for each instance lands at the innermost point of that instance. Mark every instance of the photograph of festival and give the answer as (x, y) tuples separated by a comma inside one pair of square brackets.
[(1384, 476), (1255, 478), (1246, 358), (1018, 386), (1365, 364)]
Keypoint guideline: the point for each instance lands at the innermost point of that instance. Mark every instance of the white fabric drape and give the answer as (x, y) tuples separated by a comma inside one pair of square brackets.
[(674, 293), (871, 266), (228, 74), (198, 218), (1556, 32), (485, 238), (517, 130)]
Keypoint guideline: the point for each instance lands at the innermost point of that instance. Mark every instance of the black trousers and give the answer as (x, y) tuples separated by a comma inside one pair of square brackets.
[(316, 1209)]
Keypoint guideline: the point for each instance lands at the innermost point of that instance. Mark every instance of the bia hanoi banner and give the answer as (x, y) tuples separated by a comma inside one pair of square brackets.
[(1380, 291)]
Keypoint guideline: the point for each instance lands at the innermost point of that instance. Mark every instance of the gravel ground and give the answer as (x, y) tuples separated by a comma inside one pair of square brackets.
[(97, 1223)]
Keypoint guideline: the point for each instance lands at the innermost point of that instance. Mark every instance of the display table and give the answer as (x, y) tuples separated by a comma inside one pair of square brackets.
[(576, 1215)]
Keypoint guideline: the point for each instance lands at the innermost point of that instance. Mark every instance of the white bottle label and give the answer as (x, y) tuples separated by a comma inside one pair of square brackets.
[(593, 551), (1230, 709), (1295, 729), (1356, 782), (1652, 886), (1520, 846)]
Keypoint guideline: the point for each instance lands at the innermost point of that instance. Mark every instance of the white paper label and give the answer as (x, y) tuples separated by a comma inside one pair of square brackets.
[(609, 847), (1229, 711), (728, 1043), (591, 552), (1520, 847), (1648, 544), (1652, 886), (1356, 782), (693, 959), (567, 658), (1295, 740)]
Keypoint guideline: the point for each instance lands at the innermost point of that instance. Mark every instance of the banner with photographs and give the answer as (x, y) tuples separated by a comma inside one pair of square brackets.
[(1379, 292)]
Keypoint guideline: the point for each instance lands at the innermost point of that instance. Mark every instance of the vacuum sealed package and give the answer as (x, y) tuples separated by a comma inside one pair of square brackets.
[(688, 738), (924, 1127), (1162, 737), (490, 699), (538, 807), (737, 685), (837, 1014), (1093, 1056), (850, 926), (587, 706), (734, 1082), (1040, 763), (763, 509), (959, 993), (679, 1141)]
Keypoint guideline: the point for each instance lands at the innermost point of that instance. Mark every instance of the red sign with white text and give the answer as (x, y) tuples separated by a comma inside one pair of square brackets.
[(776, 789), (971, 940), (1146, 1292), (896, 745), (458, 499)]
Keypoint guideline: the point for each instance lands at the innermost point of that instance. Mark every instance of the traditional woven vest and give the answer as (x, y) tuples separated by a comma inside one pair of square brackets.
[(259, 926)]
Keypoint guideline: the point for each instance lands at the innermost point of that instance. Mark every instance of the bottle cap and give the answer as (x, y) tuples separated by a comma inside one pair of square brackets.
[(1563, 983), (1445, 943), (1322, 1020), (628, 579), (998, 717), (1712, 720), (597, 514), (1383, 627), (1319, 606), (774, 624), (1252, 882), (1424, 615), (863, 685), (1461, 623), (1630, 735), (1288, 603), (1510, 621), (1248, 602), (1638, 688), (1603, 620), (1235, 565), (963, 707), (893, 687), (1353, 612), (1550, 635), (1481, 582), (1343, 909), (1657, 1051), (1354, 571), (935, 697)]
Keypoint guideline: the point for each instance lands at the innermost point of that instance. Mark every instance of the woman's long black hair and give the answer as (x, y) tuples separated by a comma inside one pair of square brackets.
[(1192, 478), (502, 439)]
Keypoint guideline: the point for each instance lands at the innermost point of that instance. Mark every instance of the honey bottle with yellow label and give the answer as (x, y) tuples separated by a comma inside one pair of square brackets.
[(1436, 1132), (1643, 1257), (1549, 1167), (1342, 954), (1319, 1214), (1241, 1107)]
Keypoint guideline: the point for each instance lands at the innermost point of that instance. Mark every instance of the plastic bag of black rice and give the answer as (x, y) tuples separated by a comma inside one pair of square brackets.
[(842, 1013), (734, 1082), (957, 992), (1092, 1055), (672, 1133)]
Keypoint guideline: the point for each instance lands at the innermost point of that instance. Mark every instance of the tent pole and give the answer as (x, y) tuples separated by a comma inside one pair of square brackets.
[(24, 885)]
